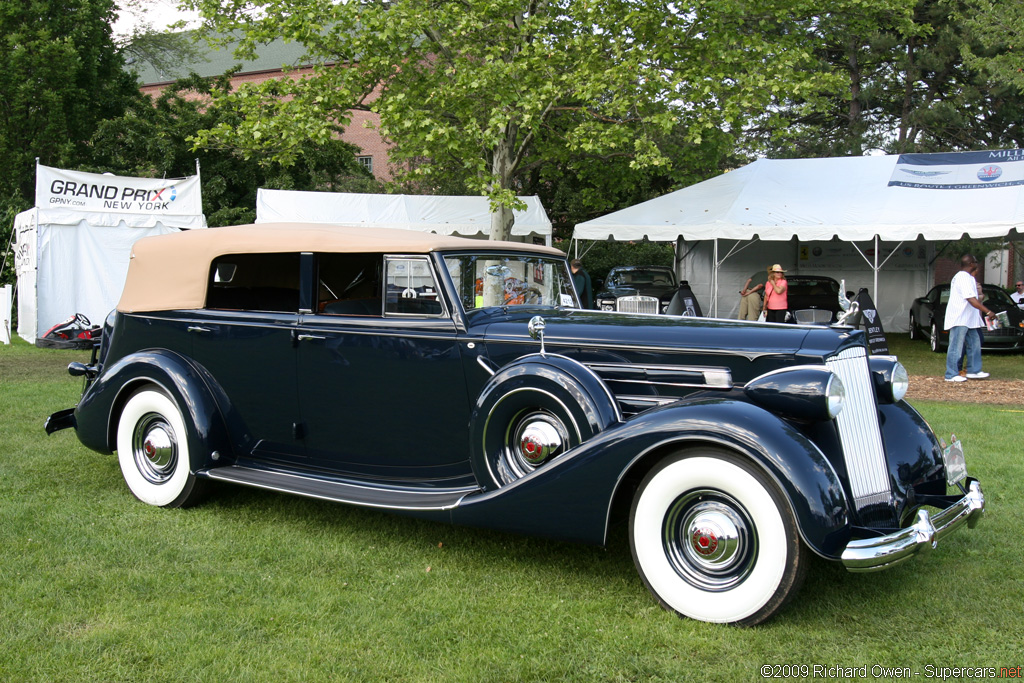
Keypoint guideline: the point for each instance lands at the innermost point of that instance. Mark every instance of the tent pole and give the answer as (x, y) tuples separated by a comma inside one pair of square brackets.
[(874, 291), (714, 281)]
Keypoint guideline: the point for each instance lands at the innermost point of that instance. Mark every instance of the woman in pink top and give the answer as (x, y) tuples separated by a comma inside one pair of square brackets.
[(776, 302)]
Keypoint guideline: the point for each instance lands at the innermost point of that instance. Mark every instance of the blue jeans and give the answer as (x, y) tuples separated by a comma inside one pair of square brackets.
[(959, 337)]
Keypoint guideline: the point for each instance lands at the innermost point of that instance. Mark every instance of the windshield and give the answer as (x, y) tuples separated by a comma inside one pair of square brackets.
[(811, 287), (996, 294), (643, 277), (502, 280)]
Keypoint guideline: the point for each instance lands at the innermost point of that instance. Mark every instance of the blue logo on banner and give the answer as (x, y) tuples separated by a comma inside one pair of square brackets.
[(989, 173)]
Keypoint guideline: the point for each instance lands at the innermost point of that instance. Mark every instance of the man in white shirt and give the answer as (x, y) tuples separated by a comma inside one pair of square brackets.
[(963, 320), (1018, 296)]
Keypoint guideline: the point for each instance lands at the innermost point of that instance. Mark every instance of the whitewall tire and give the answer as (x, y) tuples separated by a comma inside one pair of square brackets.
[(714, 539), (153, 451)]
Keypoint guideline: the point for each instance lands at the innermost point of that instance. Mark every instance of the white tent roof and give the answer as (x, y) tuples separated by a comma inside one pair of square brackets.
[(441, 215), (852, 198)]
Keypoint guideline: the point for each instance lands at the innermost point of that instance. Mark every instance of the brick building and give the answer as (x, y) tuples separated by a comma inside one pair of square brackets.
[(271, 62)]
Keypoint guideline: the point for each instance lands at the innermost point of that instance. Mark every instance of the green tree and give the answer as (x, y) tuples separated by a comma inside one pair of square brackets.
[(156, 139), (944, 77), (472, 93), (61, 76)]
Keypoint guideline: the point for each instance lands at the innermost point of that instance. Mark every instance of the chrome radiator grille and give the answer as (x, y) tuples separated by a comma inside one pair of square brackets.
[(813, 316), (859, 431), (637, 304)]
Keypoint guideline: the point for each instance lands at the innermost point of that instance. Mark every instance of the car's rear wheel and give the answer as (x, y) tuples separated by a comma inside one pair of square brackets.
[(714, 538), (153, 451)]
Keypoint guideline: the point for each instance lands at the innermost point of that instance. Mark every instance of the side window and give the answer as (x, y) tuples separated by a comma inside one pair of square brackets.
[(411, 288), (254, 282), (349, 284)]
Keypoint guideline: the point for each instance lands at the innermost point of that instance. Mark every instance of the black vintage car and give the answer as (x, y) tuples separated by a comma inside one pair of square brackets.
[(813, 299), (458, 380), (928, 313), (655, 284)]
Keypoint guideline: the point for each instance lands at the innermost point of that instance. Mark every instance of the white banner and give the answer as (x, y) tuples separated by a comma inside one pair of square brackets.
[(117, 194), (960, 170), (824, 257)]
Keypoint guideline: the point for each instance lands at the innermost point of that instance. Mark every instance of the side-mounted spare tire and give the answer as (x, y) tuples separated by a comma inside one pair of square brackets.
[(531, 412)]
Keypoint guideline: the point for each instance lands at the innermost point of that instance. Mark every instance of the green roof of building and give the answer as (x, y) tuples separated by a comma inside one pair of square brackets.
[(211, 61)]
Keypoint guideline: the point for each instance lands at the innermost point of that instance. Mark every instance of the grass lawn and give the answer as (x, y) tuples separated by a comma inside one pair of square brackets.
[(919, 359), (255, 586)]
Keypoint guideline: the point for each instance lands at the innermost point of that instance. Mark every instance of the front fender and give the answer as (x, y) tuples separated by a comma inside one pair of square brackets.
[(914, 456), (97, 413), (571, 497)]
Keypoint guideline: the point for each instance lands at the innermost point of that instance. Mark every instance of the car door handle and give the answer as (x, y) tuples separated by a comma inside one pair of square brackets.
[(309, 337), (198, 329)]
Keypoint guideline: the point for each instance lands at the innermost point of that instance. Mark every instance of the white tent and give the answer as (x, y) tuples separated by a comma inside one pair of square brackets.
[(467, 216), (72, 248), (809, 215)]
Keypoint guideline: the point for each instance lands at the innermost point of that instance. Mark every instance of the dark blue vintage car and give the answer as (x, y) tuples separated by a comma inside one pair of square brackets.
[(457, 380)]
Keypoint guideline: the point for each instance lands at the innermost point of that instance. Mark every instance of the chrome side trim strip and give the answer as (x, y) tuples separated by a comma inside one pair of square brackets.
[(873, 554), (749, 354), (340, 492), (664, 375), (653, 400)]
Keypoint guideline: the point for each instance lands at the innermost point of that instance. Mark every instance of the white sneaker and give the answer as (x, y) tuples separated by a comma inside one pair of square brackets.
[(956, 378), (977, 375)]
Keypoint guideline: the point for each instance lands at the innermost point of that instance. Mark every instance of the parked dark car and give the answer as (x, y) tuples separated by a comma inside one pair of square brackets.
[(628, 282), (813, 299), (458, 380), (928, 313)]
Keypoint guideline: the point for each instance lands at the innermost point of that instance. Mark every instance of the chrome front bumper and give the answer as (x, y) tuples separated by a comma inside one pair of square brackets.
[(872, 554)]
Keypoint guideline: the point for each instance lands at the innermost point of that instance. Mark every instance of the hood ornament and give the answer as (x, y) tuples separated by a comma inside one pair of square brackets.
[(536, 329), (851, 308)]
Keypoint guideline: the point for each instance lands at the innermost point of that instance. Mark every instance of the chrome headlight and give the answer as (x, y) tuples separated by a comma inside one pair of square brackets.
[(835, 395), (889, 377), (804, 392)]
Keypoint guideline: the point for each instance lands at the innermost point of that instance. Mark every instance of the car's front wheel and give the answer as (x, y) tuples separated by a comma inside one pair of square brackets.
[(913, 328), (714, 539), (934, 342), (153, 451)]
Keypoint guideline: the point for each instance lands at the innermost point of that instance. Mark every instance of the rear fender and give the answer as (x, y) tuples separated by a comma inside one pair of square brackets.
[(99, 410), (572, 497)]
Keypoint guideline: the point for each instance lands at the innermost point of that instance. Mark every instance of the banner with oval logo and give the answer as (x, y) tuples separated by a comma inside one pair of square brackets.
[(960, 170)]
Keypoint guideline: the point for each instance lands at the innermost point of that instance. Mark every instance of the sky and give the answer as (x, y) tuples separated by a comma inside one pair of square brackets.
[(160, 14)]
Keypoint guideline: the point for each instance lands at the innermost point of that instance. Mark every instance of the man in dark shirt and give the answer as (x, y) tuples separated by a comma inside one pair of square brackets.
[(581, 279)]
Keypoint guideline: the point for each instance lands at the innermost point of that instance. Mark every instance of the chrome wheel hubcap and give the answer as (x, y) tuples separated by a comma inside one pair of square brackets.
[(533, 440), (154, 448), (709, 540)]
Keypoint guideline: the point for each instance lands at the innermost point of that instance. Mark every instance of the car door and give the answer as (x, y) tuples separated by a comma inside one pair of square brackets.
[(381, 382), (244, 339)]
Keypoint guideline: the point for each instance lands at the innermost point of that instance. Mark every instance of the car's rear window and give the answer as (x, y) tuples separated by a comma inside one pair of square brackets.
[(255, 282)]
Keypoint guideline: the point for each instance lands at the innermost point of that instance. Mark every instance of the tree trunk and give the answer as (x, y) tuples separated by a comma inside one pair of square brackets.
[(502, 168)]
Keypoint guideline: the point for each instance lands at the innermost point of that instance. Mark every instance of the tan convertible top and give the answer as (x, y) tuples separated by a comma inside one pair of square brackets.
[(170, 272)]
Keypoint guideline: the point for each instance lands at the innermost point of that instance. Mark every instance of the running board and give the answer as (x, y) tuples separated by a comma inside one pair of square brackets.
[(340, 492)]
